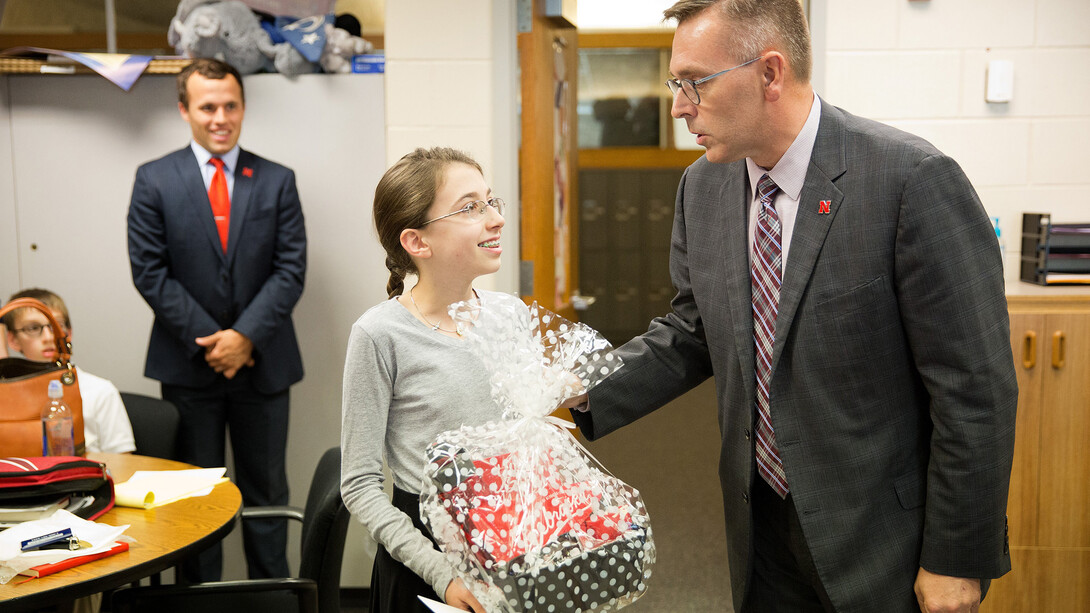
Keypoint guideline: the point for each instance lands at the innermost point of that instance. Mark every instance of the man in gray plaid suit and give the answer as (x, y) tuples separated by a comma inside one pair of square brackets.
[(853, 315)]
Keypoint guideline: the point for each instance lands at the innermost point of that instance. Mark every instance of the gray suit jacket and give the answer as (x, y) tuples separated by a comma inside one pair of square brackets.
[(893, 388)]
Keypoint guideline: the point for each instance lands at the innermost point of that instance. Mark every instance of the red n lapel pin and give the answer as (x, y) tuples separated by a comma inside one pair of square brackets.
[(247, 172), (823, 207)]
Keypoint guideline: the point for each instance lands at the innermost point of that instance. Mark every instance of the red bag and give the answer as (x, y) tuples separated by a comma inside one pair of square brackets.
[(25, 481)]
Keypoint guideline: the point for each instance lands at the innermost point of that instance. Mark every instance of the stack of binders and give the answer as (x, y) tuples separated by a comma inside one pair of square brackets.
[(1054, 254)]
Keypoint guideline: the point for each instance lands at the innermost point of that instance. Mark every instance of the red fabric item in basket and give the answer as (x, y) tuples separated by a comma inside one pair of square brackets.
[(508, 519)]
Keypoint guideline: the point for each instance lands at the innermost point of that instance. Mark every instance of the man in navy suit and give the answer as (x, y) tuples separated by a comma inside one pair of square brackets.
[(218, 250), (841, 281)]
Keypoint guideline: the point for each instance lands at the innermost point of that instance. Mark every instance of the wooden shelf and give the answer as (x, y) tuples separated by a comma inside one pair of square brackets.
[(620, 39), (637, 157), (18, 65)]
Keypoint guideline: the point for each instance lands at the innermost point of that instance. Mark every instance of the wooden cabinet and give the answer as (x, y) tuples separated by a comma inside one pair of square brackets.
[(1049, 504)]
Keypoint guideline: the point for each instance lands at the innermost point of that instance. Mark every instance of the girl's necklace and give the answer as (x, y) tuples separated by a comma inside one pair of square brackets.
[(459, 328)]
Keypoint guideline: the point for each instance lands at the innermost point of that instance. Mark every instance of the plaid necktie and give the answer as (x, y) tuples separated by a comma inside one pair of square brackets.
[(765, 277), (221, 201)]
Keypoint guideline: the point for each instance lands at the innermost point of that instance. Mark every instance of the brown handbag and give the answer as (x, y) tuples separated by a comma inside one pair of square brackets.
[(23, 392)]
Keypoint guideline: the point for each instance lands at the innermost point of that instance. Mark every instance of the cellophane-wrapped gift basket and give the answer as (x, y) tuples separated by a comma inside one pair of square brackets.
[(530, 519)]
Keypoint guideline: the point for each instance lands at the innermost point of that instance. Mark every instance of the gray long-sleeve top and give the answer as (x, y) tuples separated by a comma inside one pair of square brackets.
[(404, 383)]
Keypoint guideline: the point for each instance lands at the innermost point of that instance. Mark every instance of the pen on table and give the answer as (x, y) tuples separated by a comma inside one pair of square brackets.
[(61, 539)]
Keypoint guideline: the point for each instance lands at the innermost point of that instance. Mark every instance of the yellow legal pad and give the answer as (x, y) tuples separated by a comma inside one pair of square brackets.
[(147, 489)]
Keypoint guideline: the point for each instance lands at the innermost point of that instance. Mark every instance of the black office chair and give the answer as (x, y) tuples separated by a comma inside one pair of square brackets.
[(154, 424), (316, 590)]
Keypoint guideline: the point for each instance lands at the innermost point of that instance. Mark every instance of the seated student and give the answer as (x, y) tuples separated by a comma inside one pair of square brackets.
[(105, 422)]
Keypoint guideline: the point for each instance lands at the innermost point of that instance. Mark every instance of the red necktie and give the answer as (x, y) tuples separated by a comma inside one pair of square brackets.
[(221, 201), (766, 299)]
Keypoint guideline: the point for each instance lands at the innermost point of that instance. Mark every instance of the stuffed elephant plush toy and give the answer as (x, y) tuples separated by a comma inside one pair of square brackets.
[(229, 31)]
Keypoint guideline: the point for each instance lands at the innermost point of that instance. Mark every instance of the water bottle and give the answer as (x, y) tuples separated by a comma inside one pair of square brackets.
[(57, 434)]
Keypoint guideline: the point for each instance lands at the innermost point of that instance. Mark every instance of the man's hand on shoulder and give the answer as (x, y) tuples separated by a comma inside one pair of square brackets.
[(576, 403), (227, 351), (576, 395), (944, 594)]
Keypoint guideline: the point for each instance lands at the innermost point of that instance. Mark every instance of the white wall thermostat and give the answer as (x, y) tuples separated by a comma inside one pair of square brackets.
[(1000, 81)]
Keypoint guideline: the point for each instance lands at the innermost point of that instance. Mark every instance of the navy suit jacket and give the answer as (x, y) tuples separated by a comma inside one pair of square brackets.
[(195, 289), (893, 388)]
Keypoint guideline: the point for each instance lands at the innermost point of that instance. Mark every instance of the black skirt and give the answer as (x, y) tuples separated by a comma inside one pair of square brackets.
[(394, 588)]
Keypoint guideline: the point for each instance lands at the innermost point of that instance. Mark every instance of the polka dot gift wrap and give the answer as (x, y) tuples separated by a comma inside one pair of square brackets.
[(529, 518)]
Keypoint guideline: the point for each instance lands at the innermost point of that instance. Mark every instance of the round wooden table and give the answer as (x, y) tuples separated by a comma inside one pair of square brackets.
[(164, 536)]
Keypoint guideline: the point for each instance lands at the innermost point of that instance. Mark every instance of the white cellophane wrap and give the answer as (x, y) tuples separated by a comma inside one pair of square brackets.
[(529, 518)]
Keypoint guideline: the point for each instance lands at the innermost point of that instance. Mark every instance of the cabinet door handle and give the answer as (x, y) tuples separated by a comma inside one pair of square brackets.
[(1058, 349), (1029, 350)]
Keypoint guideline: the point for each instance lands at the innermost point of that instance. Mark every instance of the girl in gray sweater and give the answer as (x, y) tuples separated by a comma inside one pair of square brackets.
[(408, 375)]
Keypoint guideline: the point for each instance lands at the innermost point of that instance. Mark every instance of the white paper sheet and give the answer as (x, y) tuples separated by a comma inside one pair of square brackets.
[(13, 560), (438, 607)]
